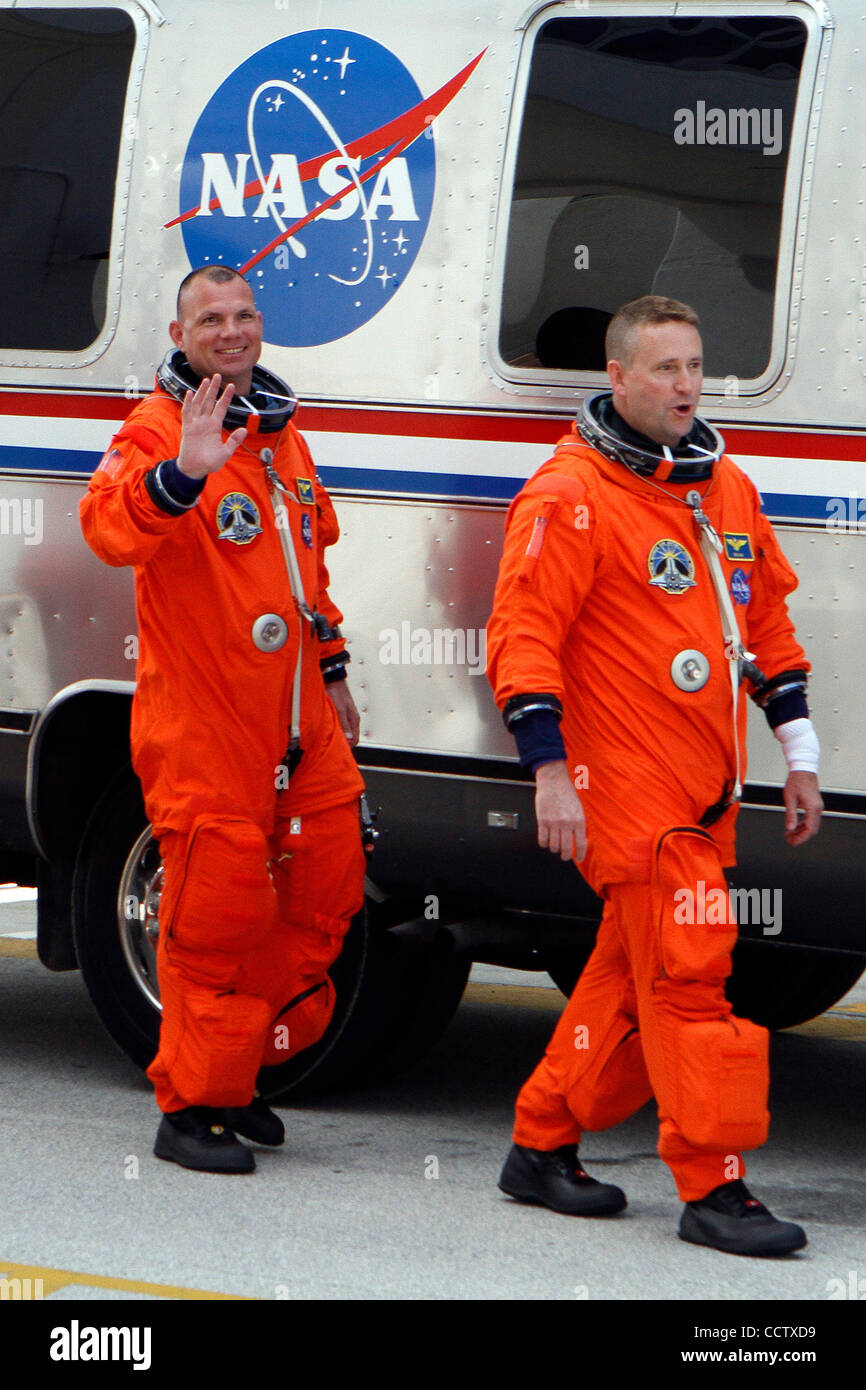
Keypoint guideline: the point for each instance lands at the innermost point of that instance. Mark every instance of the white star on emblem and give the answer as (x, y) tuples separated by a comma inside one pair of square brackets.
[(384, 276), (343, 63), (400, 239)]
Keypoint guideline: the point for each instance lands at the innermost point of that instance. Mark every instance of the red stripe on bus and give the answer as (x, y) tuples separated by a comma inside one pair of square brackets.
[(500, 427)]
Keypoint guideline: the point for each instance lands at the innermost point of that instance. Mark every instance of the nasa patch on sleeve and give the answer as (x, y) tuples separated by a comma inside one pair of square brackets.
[(741, 589), (311, 171)]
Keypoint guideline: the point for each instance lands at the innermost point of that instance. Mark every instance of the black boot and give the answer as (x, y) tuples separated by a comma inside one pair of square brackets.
[(729, 1218), (198, 1138), (257, 1122), (555, 1178)]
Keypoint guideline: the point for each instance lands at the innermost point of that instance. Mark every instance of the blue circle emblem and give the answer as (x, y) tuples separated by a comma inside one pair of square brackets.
[(311, 171)]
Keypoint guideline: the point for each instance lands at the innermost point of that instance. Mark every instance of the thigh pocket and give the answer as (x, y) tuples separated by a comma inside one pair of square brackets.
[(226, 905), (692, 907)]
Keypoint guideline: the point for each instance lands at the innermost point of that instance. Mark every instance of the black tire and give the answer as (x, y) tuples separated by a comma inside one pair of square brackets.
[(781, 986), (127, 1006), (564, 965), (394, 997)]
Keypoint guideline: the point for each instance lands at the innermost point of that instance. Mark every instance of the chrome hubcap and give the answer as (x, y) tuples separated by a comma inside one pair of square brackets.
[(138, 913)]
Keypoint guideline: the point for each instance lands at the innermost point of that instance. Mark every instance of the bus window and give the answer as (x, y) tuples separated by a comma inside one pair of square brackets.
[(652, 160), (63, 76)]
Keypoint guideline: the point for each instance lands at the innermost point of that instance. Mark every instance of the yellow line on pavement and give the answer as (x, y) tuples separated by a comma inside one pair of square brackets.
[(54, 1279), (26, 949), (840, 1026), (528, 996), (848, 1024)]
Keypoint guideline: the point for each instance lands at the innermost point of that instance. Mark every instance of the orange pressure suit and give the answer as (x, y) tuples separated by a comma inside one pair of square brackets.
[(263, 866), (602, 584)]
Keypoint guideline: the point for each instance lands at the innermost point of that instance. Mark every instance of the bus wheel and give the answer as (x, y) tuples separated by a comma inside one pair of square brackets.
[(781, 986), (394, 998)]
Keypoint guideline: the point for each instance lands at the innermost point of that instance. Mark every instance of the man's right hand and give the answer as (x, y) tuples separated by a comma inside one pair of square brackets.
[(561, 824), (202, 449)]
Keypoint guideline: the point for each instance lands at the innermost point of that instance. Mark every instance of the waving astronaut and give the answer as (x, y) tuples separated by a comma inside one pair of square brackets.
[(242, 722)]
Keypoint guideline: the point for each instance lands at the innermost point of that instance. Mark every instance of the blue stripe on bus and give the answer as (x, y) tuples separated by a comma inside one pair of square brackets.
[(17, 458), (781, 504), (20, 459)]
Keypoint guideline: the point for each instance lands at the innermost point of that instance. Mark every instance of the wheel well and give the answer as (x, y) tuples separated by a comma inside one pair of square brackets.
[(82, 744)]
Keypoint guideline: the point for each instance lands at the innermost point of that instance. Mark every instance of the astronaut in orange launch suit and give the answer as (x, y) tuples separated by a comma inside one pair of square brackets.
[(641, 595), (242, 721)]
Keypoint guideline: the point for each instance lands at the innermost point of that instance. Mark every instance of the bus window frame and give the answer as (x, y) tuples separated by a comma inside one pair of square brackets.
[(13, 360), (556, 383)]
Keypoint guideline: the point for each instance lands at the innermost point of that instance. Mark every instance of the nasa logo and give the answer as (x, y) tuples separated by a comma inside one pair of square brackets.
[(309, 172), (740, 587)]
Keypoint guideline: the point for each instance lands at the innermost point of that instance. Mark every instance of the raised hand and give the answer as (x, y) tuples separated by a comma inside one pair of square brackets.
[(203, 449)]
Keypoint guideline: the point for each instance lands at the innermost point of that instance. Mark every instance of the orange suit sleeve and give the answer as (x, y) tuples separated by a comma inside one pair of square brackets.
[(551, 551), (771, 632), (121, 522)]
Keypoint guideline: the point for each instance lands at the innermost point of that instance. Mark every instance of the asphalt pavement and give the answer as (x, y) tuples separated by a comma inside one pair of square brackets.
[(389, 1192)]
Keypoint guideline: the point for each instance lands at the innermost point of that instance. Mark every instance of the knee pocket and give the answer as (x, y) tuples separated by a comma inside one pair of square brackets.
[(225, 904), (692, 907), (721, 1083)]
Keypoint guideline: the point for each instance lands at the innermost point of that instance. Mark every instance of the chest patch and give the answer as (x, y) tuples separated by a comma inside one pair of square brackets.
[(671, 567), (238, 519), (738, 546), (307, 530), (305, 491)]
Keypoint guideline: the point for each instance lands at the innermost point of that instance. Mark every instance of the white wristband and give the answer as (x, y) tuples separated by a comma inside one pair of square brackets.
[(799, 744)]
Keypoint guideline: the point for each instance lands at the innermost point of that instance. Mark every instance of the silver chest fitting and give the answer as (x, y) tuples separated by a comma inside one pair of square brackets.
[(690, 670), (270, 632)]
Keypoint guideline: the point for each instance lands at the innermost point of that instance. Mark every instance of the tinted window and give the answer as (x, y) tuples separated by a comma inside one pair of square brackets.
[(652, 160), (63, 76)]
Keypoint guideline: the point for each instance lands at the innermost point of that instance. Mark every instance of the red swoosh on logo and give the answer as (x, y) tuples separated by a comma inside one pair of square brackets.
[(403, 129)]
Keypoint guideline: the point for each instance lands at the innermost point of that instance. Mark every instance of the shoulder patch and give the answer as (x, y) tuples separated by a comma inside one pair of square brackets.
[(110, 463)]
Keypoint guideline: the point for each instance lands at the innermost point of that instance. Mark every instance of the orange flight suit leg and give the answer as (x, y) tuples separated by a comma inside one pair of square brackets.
[(318, 869), (250, 928), (218, 907), (708, 1070), (592, 1075)]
